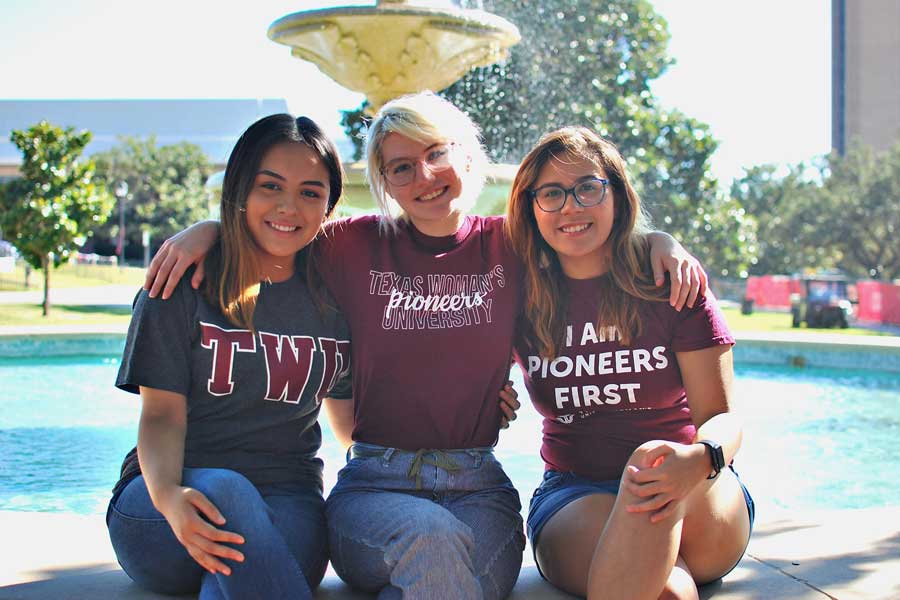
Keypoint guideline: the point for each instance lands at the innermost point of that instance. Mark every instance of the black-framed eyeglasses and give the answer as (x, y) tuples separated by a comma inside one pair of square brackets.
[(552, 197), (402, 171)]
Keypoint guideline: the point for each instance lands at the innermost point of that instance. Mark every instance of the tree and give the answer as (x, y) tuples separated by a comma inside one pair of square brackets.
[(847, 216), (582, 62), (860, 208), (166, 189), (789, 222), (47, 213)]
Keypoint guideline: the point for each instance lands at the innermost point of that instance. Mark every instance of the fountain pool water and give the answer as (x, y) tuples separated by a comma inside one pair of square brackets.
[(811, 435)]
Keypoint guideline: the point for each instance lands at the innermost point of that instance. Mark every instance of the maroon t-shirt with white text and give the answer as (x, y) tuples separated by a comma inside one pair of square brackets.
[(432, 321), (600, 399)]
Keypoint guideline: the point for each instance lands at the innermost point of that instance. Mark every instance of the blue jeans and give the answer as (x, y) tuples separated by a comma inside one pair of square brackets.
[(433, 524), (285, 539)]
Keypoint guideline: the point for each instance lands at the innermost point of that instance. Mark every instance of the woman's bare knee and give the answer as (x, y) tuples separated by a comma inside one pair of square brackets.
[(680, 585)]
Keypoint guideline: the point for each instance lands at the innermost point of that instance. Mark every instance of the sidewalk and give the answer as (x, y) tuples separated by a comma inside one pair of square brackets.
[(848, 555), (101, 295)]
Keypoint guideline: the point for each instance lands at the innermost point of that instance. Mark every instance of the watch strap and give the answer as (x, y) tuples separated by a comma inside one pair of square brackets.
[(717, 457)]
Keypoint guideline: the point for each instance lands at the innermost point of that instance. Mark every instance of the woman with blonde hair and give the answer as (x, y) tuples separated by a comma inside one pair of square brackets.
[(638, 498), (422, 509)]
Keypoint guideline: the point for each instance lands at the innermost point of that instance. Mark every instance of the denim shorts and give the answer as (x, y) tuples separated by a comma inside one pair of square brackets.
[(559, 489)]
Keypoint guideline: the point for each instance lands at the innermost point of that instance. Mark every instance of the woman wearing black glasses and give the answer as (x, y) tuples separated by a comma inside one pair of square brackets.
[(638, 499), (432, 294)]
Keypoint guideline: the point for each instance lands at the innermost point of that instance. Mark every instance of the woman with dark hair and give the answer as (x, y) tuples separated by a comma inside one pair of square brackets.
[(423, 508), (223, 493), (638, 499)]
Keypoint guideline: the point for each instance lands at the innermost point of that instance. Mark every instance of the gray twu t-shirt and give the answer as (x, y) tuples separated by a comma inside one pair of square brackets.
[(253, 398)]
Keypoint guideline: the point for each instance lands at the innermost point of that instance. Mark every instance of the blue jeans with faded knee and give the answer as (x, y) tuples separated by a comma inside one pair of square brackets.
[(437, 524), (285, 541)]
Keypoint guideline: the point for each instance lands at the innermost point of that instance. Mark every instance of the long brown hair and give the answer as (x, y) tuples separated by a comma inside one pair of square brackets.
[(629, 278), (232, 272)]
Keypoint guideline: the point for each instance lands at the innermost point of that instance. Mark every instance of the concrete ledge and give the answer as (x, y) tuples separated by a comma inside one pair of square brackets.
[(829, 350), (852, 554)]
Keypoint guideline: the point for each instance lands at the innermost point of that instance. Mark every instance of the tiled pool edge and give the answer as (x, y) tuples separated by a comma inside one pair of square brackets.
[(881, 353), (799, 349), (67, 341)]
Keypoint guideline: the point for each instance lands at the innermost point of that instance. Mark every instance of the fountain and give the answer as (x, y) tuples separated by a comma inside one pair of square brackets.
[(396, 47), (393, 48)]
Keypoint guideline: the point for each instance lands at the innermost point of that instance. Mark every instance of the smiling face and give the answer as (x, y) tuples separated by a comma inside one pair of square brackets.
[(578, 235), (430, 200), (285, 207)]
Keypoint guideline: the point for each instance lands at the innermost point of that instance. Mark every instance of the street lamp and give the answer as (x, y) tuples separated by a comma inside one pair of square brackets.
[(121, 193)]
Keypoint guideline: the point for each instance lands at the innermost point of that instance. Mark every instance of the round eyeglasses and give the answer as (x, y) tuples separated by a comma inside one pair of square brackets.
[(552, 197), (402, 171)]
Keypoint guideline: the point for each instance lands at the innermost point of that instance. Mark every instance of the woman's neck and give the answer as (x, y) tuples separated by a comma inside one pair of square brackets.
[(277, 270), (585, 267), (440, 228)]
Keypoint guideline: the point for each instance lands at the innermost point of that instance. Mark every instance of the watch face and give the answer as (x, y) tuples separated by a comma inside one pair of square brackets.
[(717, 457)]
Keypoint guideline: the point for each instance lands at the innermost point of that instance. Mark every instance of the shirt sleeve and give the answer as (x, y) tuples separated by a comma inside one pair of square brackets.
[(342, 388), (158, 347), (702, 326), (328, 252)]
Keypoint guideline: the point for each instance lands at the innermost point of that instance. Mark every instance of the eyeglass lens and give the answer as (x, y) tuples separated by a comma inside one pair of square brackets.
[(587, 193), (403, 171)]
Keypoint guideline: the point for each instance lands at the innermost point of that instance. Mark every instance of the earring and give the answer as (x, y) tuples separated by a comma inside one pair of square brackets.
[(242, 209), (543, 259)]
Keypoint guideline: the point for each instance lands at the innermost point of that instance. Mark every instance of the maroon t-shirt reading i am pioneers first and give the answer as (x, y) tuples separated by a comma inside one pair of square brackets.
[(600, 399), (432, 321)]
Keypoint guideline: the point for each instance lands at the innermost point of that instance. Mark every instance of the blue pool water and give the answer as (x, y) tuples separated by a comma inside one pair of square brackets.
[(813, 438)]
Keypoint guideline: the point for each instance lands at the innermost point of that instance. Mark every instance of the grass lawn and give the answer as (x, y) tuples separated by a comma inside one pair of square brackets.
[(71, 275), (781, 322), (61, 314)]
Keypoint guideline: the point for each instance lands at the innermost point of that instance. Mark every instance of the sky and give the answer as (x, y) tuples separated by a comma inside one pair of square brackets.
[(757, 72)]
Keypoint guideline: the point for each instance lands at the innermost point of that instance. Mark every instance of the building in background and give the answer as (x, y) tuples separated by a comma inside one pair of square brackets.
[(865, 90), (213, 125)]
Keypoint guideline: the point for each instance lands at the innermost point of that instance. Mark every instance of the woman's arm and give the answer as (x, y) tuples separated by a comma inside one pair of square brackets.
[(686, 275), (340, 416), (185, 248), (708, 377), (671, 470), (161, 432)]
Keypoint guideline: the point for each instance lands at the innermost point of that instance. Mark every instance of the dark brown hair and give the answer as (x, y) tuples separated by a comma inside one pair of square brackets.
[(232, 274)]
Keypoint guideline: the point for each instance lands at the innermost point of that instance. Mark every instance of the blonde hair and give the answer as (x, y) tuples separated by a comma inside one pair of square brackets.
[(424, 118), (630, 279)]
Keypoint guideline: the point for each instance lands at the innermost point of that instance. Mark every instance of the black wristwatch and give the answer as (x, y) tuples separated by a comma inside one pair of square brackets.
[(716, 456)]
